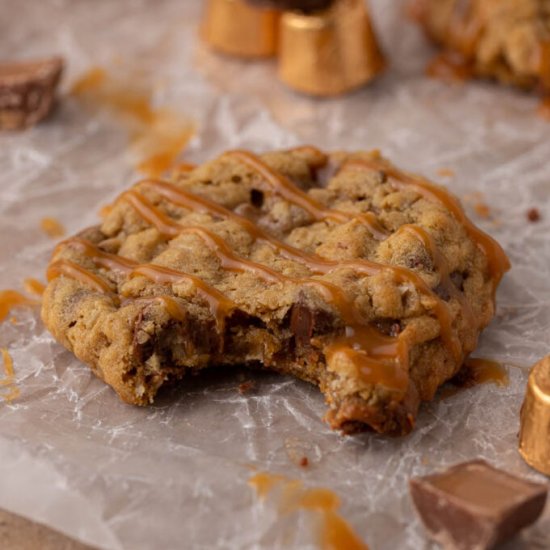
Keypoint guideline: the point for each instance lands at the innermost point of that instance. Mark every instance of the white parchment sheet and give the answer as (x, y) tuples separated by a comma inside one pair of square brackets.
[(175, 475)]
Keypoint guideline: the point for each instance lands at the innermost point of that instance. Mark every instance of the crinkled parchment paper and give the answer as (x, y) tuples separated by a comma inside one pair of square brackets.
[(175, 475)]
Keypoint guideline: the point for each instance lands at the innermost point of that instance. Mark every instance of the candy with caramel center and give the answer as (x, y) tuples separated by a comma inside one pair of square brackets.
[(27, 91), (476, 506), (534, 436)]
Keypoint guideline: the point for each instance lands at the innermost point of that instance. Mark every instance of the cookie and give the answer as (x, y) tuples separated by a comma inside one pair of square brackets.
[(338, 269), (302, 5), (508, 40)]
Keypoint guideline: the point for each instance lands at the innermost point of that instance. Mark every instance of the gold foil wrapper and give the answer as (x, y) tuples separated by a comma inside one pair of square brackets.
[(233, 27), (534, 437), (330, 52)]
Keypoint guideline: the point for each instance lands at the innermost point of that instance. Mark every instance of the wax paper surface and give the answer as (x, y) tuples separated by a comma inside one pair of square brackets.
[(174, 475)]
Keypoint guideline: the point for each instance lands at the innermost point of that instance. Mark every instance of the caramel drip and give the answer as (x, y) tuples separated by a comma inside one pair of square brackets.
[(10, 299), (335, 533), (496, 258), (483, 371), (284, 187), (77, 272), (378, 358), (219, 304)]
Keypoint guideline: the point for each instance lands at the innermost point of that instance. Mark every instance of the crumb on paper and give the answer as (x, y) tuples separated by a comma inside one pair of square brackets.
[(304, 462), (158, 135), (533, 215), (246, 387), (52, 227)]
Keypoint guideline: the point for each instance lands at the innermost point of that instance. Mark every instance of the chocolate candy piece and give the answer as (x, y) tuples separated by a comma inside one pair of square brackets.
[(534, 436), (301, 5), (476, 506), (27, 91)]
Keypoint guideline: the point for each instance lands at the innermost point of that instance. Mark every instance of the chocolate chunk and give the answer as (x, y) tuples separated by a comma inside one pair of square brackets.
[(305, 322), (302, 5), (27, 91), (533, 215), (476, 506)]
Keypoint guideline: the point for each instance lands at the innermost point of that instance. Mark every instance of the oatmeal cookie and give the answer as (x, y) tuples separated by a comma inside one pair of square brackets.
[(508, 40), (338, 269)]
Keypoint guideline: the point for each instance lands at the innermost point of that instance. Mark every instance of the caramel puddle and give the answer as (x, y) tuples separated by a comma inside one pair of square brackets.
[(476, 371), (335, 533)]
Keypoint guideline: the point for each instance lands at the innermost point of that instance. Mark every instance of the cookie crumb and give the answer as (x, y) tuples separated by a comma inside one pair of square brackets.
[(304, 462), (245, 387), (533, 215)]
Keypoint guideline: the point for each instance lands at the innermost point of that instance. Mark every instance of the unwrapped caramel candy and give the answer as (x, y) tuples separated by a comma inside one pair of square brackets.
[(27, 91), (474, 506), (534, 436)]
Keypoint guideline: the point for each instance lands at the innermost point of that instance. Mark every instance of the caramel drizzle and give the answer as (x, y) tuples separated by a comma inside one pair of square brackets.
[(284, 187), (315, 263), (496, 257)]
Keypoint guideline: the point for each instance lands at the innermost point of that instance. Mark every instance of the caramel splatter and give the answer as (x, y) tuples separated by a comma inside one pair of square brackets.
[(9, 380), (446, 173), (33, 286), (335, 532), (158, 135), (10, 299), (52, 227)]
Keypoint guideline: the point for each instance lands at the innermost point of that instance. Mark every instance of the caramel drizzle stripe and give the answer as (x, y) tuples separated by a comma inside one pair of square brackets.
[(315, 263), (284, 187), (220, 306), (77, 272), (496, 257)]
